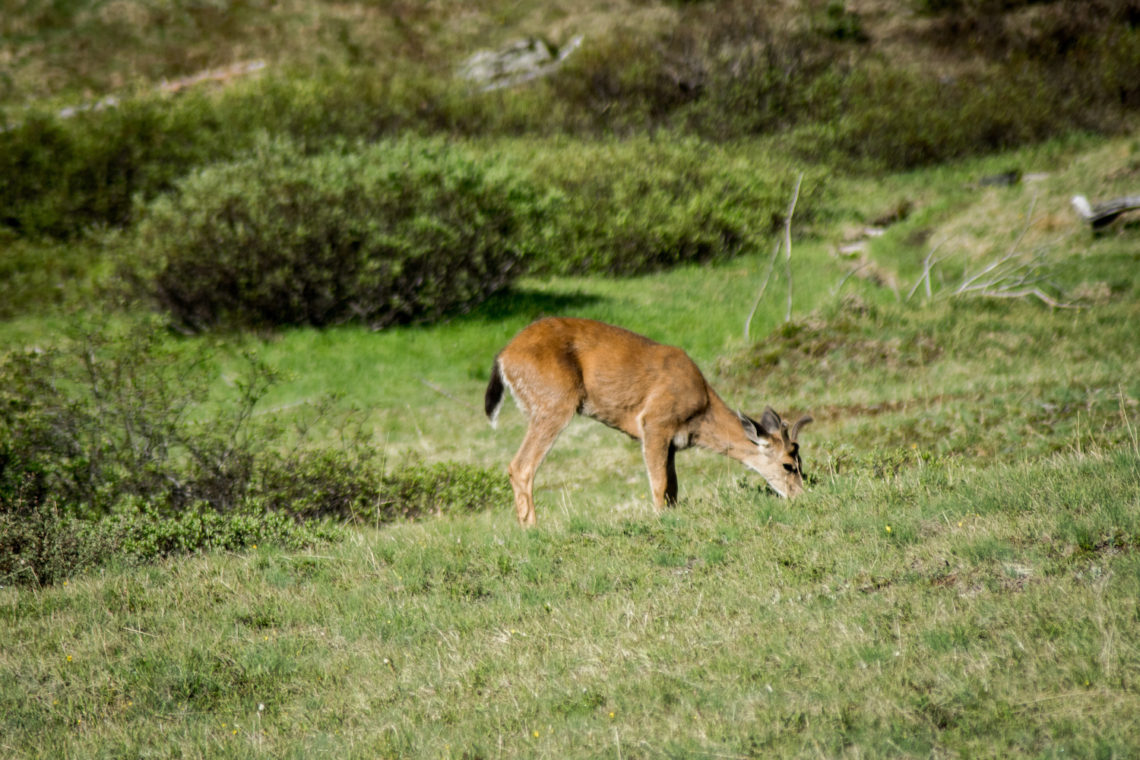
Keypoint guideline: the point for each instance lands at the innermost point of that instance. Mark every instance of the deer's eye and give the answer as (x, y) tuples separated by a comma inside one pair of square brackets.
[(790, 467)]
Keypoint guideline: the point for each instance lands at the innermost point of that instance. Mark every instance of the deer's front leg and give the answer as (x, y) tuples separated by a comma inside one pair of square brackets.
[(658, 449)]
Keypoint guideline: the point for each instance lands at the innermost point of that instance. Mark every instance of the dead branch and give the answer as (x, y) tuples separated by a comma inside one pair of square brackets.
[(445, 394), (763, 287), (772, 263), (1035, 292), (1005, 277), (927, 265), (1105, 212), (853, 271), (788, 244)]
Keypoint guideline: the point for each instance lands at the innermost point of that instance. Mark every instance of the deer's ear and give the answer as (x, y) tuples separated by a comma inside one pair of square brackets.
[(771, 423), (752, 429)]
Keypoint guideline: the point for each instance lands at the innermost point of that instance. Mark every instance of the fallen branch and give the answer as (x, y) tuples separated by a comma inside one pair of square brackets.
[(1004, 277), (1035, 292), (1104, 213)]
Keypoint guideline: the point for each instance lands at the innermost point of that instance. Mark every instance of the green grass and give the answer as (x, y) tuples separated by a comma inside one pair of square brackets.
[(736, 625), (961, 578)]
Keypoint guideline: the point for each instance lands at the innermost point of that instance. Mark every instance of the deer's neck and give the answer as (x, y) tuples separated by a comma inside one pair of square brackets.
[(719, 430)]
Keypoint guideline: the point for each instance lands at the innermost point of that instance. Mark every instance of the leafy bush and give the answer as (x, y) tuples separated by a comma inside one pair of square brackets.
[(901, 118), (111, 449), (397, 232), (325, 483), (641, 204), (35, 277), (720, 71), (113, 415), (42, 543), (39, 543), (61, 176)]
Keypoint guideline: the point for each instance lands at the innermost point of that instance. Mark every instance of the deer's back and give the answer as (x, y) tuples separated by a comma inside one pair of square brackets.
[(611, 372)]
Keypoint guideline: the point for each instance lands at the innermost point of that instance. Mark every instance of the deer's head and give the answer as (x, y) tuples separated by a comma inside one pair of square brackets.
[(777, 455)]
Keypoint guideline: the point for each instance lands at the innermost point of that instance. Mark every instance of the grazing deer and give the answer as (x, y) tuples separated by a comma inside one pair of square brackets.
[(652, 392)]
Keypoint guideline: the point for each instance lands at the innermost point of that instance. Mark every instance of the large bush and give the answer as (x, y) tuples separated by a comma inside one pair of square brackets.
[(397, 232), (971, 72), (639, 205), (61, 176)]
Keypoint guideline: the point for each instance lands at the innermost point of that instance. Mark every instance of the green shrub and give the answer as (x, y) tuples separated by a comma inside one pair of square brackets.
[(443, 488), (37, 277), (398, 232), (110, 415), (111, 450), (41, 543), (61, 176), (721, 71), (899, 118), (327, 483), (641, 204)]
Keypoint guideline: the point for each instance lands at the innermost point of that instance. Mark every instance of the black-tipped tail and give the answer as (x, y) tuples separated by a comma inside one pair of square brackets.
[(493, 399)]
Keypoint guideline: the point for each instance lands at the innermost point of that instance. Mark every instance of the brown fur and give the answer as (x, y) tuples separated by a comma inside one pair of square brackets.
[(559, 366)]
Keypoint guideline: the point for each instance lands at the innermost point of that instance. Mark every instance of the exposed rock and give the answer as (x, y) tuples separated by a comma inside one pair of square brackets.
[(517, 62)]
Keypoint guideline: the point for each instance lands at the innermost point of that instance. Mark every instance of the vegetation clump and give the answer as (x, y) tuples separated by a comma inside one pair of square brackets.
[(401, 231), (113, 449)]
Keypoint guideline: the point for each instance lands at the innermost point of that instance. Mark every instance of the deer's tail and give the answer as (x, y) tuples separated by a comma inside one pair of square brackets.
[(493, 399)]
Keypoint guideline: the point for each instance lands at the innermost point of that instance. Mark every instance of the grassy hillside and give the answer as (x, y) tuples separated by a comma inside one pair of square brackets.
[(889, 84), (262, 534), (961, 577)]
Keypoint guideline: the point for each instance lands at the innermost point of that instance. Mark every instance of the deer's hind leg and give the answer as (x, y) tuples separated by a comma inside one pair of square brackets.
[(549, 396), (543, 429)]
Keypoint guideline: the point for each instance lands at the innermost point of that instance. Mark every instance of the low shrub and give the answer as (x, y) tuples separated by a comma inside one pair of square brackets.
[(114, 414), (42, 543), (401, 231), (61, 176), (113, 450), (36, 277), (719, 71), (323, 483)]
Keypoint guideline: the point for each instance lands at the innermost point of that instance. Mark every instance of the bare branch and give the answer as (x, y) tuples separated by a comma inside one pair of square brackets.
[(1035, 292), (788, 244), (927, 265), (445, 394), (854, 271), (763, 287)]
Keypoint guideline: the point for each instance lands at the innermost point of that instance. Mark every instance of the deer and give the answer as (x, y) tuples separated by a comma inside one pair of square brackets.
[(557, 367)]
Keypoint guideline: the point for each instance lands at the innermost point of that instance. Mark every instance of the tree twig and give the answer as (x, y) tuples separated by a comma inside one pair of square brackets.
[(927, 265), (788, 244), (854, 270), (763, 287), (445, 394)]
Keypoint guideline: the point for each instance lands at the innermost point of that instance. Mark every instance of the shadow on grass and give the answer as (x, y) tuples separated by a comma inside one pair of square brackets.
[(532, 304)]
